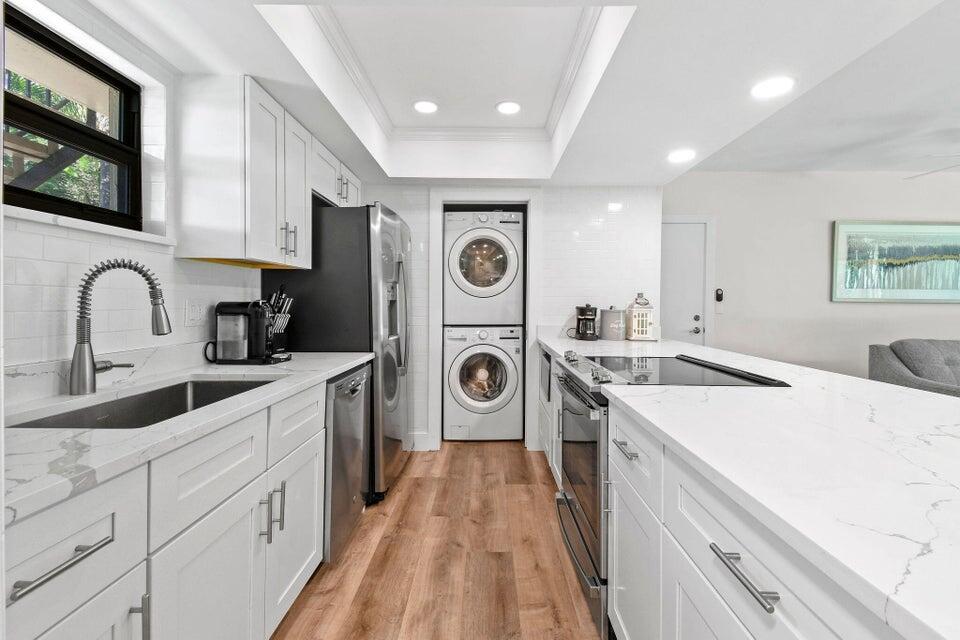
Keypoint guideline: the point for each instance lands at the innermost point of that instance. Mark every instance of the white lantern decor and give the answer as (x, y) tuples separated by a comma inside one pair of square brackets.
[(640, 319)]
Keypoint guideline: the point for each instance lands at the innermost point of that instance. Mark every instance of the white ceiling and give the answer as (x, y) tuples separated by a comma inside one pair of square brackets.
[(679, 76), (896, 108), (465, 59)]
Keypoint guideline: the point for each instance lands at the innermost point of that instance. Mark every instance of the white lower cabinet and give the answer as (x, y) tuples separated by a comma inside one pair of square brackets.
[(208, 582), (116, 613), (692, 609), (633, 569), (556, 430), (296, 484)]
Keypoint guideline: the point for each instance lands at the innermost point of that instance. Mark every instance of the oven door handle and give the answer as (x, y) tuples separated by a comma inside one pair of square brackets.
[(592, 584), (572, 395)]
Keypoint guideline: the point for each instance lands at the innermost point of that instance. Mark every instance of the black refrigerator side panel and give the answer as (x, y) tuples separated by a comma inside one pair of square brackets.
[(331, 307)]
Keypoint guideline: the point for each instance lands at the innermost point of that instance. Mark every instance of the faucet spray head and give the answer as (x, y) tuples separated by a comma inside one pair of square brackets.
[(159, 321)]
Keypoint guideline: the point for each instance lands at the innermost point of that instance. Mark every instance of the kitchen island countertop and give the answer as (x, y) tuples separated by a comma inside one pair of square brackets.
[(861, 478)]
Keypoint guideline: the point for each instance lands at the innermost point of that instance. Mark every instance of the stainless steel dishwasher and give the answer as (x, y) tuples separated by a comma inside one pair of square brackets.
[(348, 458)]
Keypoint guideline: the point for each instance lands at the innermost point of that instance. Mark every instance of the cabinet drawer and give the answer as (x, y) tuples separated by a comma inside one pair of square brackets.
[(74, 550), (294, 421), (189, 482), (810, 605), (108, 615), (639, 456)]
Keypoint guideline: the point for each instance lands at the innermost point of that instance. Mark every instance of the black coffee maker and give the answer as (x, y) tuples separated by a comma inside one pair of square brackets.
[(245, 333), (586, 328)]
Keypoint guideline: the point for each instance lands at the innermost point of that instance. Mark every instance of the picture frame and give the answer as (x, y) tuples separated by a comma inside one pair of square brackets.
[(896, 262)]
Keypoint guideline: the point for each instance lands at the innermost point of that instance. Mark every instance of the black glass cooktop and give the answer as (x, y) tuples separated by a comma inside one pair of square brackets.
[(681, 370)]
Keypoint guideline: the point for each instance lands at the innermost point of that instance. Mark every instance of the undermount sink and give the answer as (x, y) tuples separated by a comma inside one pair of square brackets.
[(147, 408)]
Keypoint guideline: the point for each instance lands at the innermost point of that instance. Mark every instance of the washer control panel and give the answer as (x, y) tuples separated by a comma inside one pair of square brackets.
[(466, 219), (484, 334)]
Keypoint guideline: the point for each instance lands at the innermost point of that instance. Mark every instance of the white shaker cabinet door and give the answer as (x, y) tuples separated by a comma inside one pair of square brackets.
[(324, 172), (264, 168), (297, 549), (297, 151), (208, 582), (633, 570), (116, 613), (692, 609)]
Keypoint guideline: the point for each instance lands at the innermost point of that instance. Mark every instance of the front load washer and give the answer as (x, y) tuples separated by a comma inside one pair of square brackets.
[(484, 274), (483, 389)]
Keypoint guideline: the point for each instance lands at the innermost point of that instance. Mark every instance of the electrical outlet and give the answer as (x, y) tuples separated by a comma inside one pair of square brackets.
[(195, 314)]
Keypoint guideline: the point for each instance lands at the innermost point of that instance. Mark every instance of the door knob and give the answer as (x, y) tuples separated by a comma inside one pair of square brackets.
[(696, 318), (696, 330)]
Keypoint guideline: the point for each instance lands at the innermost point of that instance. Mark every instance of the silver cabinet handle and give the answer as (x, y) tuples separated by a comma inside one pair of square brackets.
[(285, 228), (283, 504), (81, 552), (766, 599), (270, 520), (622, 445), (144, 611), (295, 240)]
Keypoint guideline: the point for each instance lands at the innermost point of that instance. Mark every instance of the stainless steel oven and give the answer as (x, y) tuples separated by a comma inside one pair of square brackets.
[(582, 501)]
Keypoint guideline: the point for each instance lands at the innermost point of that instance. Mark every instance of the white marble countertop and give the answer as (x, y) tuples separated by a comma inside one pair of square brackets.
[(45, 466), (862, 478)]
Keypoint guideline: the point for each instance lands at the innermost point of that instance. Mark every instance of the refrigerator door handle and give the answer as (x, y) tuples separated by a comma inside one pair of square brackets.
[(403, 329)]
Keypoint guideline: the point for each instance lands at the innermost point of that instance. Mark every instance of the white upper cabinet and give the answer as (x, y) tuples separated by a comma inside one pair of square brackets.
[(349, 188), (264, 155), (248, 172), (324, 172), (298, 149)]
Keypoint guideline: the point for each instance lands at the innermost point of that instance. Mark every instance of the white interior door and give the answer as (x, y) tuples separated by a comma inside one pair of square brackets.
[(683, 281)]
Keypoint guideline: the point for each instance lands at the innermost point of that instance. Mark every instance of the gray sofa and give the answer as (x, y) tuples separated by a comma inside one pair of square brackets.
[(931, 365)]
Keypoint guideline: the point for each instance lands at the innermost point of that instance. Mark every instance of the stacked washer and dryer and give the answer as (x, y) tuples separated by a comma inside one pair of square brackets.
[(483, 310)]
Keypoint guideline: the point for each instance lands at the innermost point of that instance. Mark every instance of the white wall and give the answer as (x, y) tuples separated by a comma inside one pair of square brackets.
[(588, 255), (774, 260)]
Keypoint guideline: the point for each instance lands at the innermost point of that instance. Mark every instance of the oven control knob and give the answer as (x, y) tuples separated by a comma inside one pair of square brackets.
[(483, 217), (482, 334)]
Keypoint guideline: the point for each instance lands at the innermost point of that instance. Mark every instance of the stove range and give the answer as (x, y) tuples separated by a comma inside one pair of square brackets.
[(681, 370)]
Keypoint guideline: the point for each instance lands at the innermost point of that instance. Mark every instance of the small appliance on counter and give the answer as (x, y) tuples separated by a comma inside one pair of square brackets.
[(613, 324), (640, 319), (586, 328), (246, 334)]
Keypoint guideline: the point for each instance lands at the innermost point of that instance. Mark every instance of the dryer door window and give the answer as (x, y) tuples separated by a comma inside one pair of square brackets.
[(483, 379), (483, 262)]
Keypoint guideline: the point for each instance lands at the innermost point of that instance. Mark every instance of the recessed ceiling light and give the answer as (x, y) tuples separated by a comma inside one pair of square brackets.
[(614, 207), (425, 106), (679, 156), (508, 108), (773, 87)]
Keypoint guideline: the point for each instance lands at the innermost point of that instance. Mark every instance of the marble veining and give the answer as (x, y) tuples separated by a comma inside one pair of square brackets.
[(862, 478), (45, 466)]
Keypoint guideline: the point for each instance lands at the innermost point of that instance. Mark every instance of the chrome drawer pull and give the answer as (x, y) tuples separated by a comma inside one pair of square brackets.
[(144, 611), (766, 598), (81, 552), (622, 445), (270, 519), (283, 504)]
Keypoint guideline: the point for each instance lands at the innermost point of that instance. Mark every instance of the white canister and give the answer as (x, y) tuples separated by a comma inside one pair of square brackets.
[(640, 319), (613, 324)]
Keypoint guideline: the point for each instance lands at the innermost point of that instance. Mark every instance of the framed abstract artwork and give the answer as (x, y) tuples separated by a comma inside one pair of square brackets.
[(896, 262)]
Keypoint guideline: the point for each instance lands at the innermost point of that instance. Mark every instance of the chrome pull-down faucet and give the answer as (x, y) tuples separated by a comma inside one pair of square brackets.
[(83, 369)]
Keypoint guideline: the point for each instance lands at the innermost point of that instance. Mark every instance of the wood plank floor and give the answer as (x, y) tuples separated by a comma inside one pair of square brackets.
[(466, 546)]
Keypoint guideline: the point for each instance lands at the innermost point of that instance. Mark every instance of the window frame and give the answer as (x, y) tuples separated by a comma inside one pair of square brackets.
[(124, 151)]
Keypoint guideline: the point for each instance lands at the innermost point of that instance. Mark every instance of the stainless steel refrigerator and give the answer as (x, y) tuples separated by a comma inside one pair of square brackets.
[(356, 299)]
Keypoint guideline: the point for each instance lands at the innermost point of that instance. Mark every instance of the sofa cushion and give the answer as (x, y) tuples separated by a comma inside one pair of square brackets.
[(931, 359)]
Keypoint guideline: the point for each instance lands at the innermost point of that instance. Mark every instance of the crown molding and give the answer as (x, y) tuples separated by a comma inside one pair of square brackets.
[(471, 134), (327, 20), (578, 49)]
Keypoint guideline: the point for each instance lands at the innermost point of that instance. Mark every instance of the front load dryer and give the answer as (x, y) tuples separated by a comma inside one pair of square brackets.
[(483, 390), (483, 271)]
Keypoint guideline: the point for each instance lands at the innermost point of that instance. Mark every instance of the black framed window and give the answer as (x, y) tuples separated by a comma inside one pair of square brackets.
[(71, 129)]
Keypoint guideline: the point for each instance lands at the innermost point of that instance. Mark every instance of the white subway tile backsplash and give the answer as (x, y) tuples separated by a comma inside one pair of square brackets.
[(43, 266)]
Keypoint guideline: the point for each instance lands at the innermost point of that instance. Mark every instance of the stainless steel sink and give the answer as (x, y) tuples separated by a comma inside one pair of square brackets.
[(146, 408)]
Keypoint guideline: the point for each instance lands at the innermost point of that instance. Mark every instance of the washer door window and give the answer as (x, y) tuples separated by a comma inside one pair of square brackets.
[(483, 379), (483, 262)]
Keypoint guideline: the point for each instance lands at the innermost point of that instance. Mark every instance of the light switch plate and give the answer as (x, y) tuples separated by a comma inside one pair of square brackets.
[(195, 314)]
